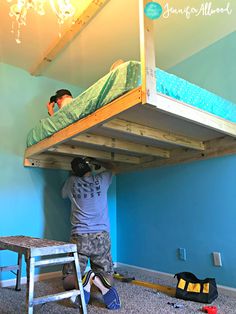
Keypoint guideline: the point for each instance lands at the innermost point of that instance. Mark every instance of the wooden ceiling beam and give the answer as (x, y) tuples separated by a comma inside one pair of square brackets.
[(51, 161), (214, 148), (80, 22), (119, 144), (97, 154), (153, 133)]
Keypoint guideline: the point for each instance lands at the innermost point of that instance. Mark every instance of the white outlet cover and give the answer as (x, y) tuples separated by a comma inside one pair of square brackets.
[(217, 259)]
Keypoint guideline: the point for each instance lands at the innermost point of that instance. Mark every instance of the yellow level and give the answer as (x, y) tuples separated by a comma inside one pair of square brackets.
[(165, 289)]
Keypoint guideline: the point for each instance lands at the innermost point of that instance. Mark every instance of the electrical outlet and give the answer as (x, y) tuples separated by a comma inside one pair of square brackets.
[(217, 259), (182, 254)]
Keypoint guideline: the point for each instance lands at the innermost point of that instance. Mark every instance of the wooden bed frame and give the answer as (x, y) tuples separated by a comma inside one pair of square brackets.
[(140, 129)]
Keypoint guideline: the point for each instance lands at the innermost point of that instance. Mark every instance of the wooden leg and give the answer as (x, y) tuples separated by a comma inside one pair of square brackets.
[(18, 274), (30, 284), (79, 284)]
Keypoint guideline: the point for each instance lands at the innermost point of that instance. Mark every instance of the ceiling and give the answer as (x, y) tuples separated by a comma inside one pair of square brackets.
[(112, 34)]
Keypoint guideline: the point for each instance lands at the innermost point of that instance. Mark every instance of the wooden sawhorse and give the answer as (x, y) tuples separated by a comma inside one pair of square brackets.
[(32, 248)]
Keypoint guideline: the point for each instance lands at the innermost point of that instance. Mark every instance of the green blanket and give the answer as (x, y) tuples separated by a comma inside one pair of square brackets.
[(111, 86)]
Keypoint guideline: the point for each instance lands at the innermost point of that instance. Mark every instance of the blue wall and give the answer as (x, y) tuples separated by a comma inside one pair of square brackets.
[(188, 206), (30, 201), (213, 68)]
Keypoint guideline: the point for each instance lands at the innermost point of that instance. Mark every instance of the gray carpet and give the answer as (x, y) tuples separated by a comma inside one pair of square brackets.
[(134, 299)]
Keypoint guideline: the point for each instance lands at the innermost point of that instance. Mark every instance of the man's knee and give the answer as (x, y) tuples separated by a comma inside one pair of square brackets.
[(69, 282)]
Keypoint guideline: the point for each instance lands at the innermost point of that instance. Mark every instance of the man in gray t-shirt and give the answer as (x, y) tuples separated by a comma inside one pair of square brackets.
[(88, 196), (90, 229)]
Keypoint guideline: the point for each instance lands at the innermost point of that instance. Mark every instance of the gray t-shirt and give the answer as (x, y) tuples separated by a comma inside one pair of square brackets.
[(88, 196)]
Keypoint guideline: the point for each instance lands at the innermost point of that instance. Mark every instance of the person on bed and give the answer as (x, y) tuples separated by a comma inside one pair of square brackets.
[(62, 98), (90, 230)]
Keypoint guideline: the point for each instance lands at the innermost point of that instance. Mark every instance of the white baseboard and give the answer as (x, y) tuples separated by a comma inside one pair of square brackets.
[(11, 282), (40, 277), (229, 291), (148, 270)]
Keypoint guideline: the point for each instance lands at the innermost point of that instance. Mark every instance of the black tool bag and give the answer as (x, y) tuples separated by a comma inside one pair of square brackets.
[(189, 287)]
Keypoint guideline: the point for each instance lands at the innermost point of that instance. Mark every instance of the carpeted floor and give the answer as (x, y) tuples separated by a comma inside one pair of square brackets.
[(134, 299)]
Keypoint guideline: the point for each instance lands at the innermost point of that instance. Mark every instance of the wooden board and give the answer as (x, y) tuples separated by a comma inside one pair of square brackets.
[(56, 47)]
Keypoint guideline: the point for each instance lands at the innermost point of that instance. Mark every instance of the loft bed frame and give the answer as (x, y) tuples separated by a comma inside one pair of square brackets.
[(141, 129)]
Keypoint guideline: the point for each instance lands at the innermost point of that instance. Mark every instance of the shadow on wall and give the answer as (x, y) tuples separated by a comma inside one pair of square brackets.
[(56, 209)]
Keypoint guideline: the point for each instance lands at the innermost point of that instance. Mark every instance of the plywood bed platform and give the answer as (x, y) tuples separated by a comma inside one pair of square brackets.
[(134, 134)]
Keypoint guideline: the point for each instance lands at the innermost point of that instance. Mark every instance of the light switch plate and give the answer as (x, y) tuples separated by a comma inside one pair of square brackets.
[(182, 254), (217, 259)]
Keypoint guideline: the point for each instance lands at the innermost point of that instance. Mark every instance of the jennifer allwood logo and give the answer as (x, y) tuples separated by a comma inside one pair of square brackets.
[(204, 9)]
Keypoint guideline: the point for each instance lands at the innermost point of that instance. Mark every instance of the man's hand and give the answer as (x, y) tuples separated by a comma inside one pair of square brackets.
[(107, 165), (50, 106)]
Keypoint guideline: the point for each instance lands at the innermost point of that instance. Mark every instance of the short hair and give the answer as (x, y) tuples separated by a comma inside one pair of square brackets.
[(62, 92), (53, 99), (59, 94), (79, 166)]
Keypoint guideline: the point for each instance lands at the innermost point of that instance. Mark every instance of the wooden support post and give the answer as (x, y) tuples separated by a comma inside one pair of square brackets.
[(147, 55)]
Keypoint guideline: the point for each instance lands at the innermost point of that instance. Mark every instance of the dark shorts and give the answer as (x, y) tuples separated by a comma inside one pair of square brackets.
[(95, 247)]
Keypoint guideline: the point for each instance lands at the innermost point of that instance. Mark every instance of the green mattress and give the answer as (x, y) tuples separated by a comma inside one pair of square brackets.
[(119, 81), (114, 84)]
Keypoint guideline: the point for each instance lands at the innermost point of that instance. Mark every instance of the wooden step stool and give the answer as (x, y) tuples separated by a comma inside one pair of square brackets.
[(33, 248)]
